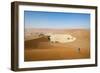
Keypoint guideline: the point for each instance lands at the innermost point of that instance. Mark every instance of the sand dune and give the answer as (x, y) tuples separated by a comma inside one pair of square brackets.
[(38, 49)]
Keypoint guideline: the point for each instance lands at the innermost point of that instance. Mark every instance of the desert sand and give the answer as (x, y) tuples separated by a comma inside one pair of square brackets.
[(40, 48)]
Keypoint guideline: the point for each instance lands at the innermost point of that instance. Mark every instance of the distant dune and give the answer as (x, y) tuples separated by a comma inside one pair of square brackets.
[(45, 30), (40, 48), (31, 33)]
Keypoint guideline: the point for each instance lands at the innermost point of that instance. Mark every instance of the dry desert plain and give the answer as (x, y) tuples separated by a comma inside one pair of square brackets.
[(40, 48)]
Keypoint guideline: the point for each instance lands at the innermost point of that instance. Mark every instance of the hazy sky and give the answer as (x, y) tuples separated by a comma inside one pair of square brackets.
[(37, 19)]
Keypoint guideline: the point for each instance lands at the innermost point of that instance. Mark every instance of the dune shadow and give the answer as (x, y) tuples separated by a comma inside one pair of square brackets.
[(34, 43)]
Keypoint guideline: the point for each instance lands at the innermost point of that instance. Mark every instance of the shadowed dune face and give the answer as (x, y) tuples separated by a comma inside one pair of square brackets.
[(35, 43), (40, 48)]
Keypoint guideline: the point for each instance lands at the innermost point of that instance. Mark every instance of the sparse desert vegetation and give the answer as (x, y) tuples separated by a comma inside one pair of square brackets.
[(38, 46)]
